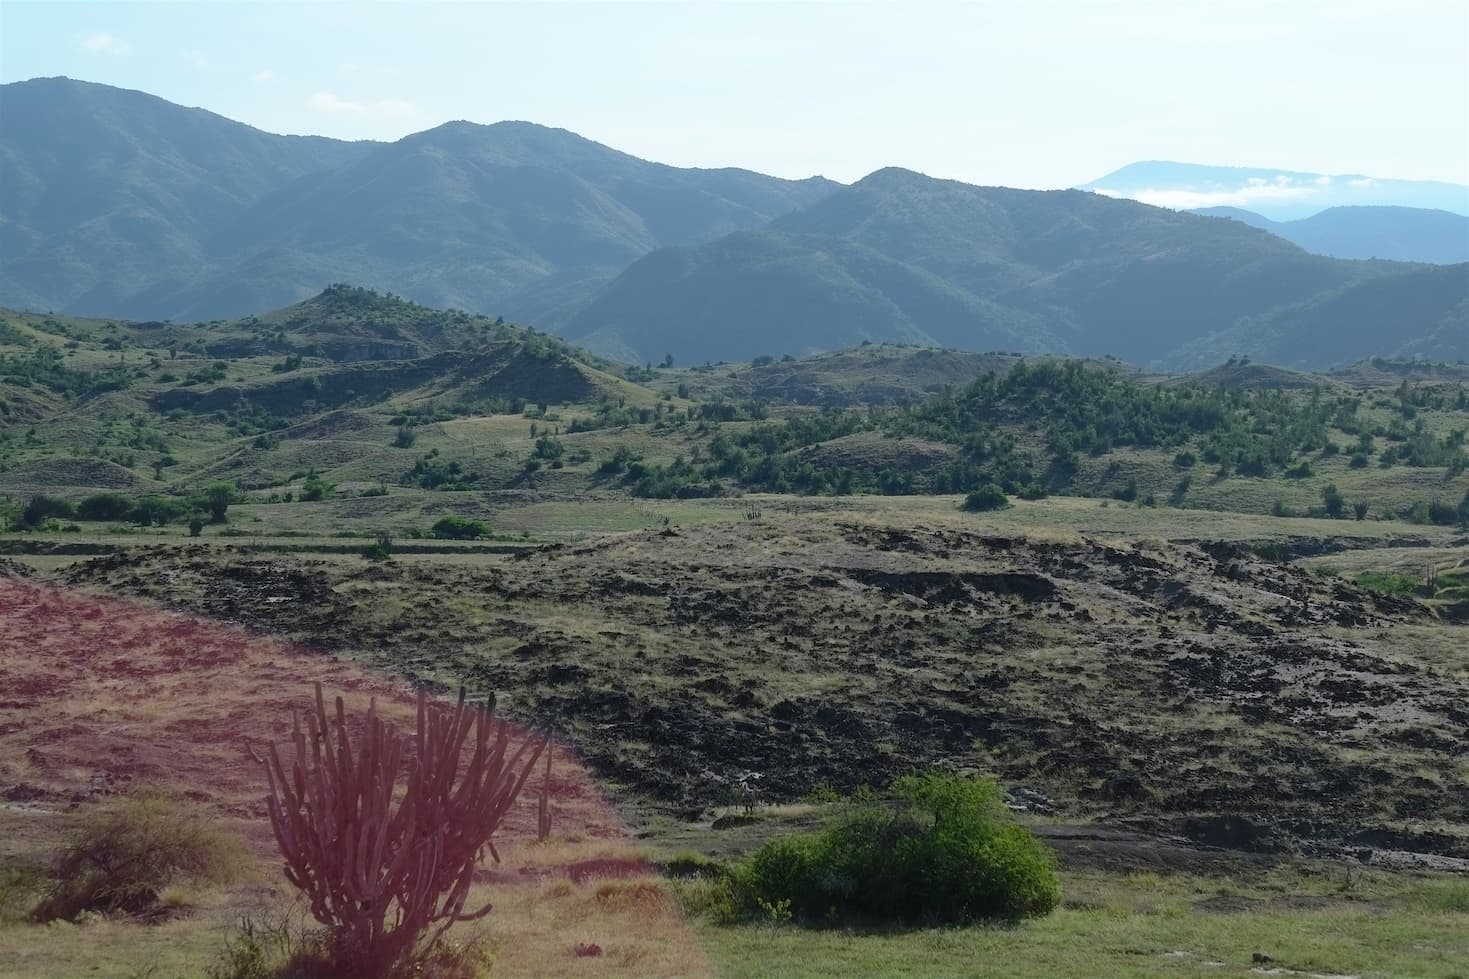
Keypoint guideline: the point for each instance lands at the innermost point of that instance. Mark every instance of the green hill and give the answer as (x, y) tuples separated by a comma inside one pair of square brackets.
[(903, 257), (116, 203)]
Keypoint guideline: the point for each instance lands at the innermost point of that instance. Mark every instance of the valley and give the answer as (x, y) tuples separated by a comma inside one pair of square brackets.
[(1231, 702)]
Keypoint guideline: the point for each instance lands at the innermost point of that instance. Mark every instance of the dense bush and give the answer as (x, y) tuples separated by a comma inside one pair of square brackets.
[(460, 528), (122, 853), (944, 848), (41, 508), (315, 488), (105, 506), (989, 497)]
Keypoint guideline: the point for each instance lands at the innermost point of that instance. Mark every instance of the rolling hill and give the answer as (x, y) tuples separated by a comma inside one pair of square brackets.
[(116, 203), (903, 257), (1401, 234)]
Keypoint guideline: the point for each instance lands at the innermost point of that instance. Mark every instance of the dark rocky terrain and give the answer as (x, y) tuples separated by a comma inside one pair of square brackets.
[(1188, 688)]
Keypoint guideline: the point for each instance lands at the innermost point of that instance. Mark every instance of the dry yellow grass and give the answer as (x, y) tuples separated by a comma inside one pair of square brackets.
[(102, 692)]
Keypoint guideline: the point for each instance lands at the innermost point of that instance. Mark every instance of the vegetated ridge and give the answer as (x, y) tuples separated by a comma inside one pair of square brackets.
[(117, 203), (1402, 234), (902, 257)]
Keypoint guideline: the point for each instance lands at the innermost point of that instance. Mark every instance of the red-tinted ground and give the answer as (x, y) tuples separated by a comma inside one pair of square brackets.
[(98, 694)]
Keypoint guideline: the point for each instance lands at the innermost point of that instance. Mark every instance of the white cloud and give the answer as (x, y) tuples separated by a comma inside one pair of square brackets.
[(1361, 182), (196, 59), (263, 76), (332, 102), (1253, 192), (105, 44), (1323, 181)]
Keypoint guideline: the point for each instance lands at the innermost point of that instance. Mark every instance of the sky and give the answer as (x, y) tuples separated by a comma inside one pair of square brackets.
[(1026, 94)]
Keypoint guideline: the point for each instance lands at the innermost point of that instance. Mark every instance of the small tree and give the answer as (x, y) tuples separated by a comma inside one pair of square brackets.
[(196, 526), (1335, 503), (387, 865), (1360, 509), (219, 496)]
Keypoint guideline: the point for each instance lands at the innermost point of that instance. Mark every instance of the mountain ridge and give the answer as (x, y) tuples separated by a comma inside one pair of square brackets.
[(511, 217), (1395, 233), (902, 257)]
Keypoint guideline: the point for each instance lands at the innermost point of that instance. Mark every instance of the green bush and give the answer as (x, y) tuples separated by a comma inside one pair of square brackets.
[(41, 508), (315, 488), (380, 550), (944, 848), (158, 510), (459, 528), (989, 497), (105, 506)]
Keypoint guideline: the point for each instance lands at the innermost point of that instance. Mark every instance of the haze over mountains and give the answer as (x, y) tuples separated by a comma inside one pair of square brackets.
[(1281, 195), (116, 203)]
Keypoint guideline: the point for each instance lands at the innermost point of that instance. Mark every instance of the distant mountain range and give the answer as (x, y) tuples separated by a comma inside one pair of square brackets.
[(116, 203), (1402, 234), (903, 257), (1280, 195)]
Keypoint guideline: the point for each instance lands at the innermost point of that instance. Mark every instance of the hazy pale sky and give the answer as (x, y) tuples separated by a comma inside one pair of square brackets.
[(1028, 93)]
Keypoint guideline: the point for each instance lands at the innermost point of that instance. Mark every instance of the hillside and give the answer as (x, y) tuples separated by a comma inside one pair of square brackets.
[(397, 412), (906, 258), (117, 203), (101, 188), (1425, 308), (1400, 234)]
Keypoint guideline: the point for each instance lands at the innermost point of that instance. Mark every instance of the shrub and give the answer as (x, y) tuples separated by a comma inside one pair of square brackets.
[(1333, 500), (158, 510), (19, 881), (218, 498), (945, 848), (379, 550), (124, 851), (105, 506), (989, 497), (459, 528), (315, 488), (41, 508)]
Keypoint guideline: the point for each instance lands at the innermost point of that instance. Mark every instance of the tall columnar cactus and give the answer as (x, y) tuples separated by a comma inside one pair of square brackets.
[(387, 867)]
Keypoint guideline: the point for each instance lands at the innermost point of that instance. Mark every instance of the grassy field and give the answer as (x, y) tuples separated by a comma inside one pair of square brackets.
[(1371, 943)]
